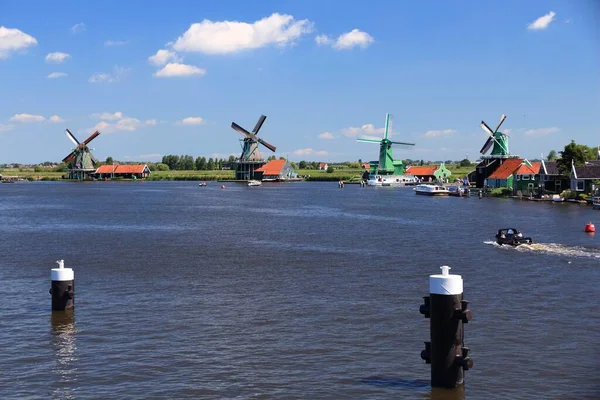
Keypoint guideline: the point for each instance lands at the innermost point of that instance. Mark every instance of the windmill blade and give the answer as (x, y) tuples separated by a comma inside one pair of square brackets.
[(68, 158), (267, 145), (402, 143), (259, 124), (502, 118), (240, 130), (94, 159), (387, 125), (72, 137), (92, 137), (486, 128), (368, 140), (487, 145)]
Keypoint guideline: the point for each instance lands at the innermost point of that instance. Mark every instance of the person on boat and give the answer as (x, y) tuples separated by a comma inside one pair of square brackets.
[(510, 232)]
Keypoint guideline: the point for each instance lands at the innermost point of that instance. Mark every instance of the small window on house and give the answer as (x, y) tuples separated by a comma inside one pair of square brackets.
[(525, 177), (580, 185), (518, 177)]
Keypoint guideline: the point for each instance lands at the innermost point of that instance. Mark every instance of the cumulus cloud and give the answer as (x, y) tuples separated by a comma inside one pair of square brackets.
[(80, 27), (367, 129), (109, 116), (119, 122), (310, 152), (346, 41), (326, 135), (151, 122), (440, 132), (55, 75), (57, 57), (542, 131), (56, 118), (163, 56), (177, 69), (27, 118), (192, 121), (226, 37), (12, 40), (542, 22), (6, 128), (118, 73)]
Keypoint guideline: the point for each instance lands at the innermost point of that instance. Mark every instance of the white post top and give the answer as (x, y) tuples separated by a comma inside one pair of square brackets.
[(61, 273), (445, 283)]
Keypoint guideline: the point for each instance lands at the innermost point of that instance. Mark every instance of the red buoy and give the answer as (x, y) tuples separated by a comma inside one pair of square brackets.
[(589, 227), (222, 186)]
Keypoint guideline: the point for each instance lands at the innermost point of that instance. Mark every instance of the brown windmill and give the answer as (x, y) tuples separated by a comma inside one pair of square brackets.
[(81, 161)]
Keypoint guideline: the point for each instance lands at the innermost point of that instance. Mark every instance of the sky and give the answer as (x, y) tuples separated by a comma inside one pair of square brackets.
[(169, 77)]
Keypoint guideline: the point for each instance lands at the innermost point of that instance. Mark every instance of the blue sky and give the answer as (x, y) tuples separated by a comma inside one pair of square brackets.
[(323, 73)]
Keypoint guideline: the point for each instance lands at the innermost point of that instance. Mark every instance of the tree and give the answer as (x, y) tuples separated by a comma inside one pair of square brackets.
[(38, 168), (465, 163), (161, 167), (302, 164), (574, 153), (231, 159), (329, 169), (109, 161), (211, 164), (200, 163), (62, 167), (552, 155), (294, 165)]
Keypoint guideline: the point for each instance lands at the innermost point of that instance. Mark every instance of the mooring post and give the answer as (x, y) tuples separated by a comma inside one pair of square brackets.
[(62, 288), (447, 312)]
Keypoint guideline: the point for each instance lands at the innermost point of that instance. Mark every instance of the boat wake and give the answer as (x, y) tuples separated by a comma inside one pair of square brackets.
[(553, 248)]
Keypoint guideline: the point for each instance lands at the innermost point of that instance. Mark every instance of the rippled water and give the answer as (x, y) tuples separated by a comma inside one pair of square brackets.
[(297, 290)]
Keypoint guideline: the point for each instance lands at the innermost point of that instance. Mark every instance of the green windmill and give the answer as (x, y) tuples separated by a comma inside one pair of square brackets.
[(498, 139), (386, 164)]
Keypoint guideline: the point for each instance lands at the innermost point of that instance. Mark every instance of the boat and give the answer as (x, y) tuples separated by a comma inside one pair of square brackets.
[(202, 184), (254, 182), (557, 199), (458, 191), (391, 180), (596, 202), (432, 190), (511, 237)]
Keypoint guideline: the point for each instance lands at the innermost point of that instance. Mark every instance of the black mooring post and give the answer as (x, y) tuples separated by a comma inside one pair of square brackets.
[(447, 312), (62, 288)]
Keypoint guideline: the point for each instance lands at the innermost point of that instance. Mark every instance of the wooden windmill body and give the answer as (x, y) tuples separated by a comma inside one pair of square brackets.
[(81, 162), (250, 159)]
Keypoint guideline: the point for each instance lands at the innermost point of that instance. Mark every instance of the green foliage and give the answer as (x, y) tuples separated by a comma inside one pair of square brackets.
[(501, 192), (210, 165), (302, 164), (330, 169), (109, 160), (576, 153), (62, 167), (552, 155), (161, 167), (465, 163), (38, 168)]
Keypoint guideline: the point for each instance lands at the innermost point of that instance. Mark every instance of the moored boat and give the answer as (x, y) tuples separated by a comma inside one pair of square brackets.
[(391, 180), (254, 182), (431, 190), (596, 202)]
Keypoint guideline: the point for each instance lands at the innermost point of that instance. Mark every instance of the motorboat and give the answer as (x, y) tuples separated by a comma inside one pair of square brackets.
[(432, 190), (391, 180), (557, 199), (254, 182), (596, 202), (511, 237), (459, 191), (202, 184)]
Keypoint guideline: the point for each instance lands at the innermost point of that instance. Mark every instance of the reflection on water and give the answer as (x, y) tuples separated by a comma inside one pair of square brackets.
[(447, 394), (64, 344)]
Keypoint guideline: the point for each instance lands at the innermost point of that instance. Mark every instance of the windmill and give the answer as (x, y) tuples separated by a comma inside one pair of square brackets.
[(250, 159), (496, 138), (81, 161), (386, 164)]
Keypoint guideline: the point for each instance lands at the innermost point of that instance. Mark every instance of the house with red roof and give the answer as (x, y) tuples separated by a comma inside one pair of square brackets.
[(322, 166), (275, 171), (526, 179), (139, 171), (503, 175), (429, 173)]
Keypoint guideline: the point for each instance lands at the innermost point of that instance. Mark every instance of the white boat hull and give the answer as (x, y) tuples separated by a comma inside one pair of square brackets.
[(431, 190), (391, 180)]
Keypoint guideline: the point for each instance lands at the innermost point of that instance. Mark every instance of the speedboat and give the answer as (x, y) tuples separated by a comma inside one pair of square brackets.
[(202, 184), (254, 182), (432, 190), (511, 237)]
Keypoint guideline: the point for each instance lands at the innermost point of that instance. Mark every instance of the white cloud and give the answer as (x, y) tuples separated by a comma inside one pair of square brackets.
[(542, 131), (108, 116), (163, 56), (542, 22), (346, 41), (225, 37), (326, 135), (144, 157), (6, 128), (27, 118), (125, 124), (310, 152), (14, 40), (438, 133), (192, 121), (118, 73), (110, 43), (80, 27), (57, 57), (176, 69), (56, 118), (151, 122), (367, 129), (55, 75)]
